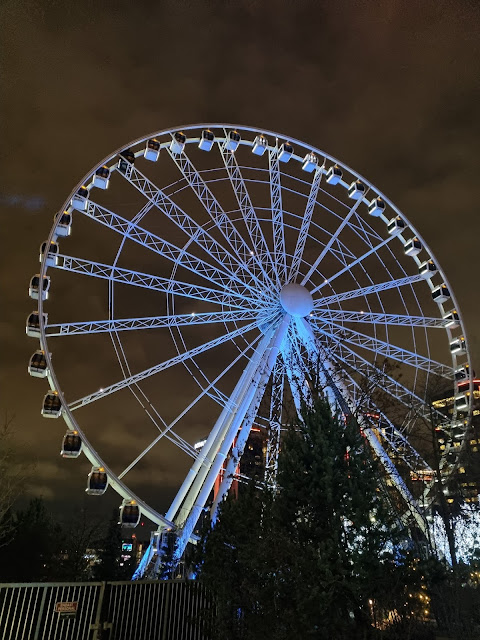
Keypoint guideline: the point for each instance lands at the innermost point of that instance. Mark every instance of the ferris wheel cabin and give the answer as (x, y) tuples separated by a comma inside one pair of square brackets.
[(441, 294), (427, 269), (71, 445), (356, 190), (64, 224), (52, 254), (177, 144), (285, 152), (395, 226), (206, 140), (34, 288), (412, 247), (52, 405), (37, 367), (462, 372), (32, 328), (129, 513), (259, 145), (334, 175), (376, 207), (310, 162), (97, 482), (101, 177), (80, 199), (127, 158), (452, 321), (458, 346), (152, 150), (233, 140)]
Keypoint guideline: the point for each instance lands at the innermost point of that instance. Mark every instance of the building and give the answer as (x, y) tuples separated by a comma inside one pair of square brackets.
[(469, 468)]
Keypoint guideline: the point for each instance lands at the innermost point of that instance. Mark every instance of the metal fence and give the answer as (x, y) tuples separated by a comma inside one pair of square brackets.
[(144, 610)]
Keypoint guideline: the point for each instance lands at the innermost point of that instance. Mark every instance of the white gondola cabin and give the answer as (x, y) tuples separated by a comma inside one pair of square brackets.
[(458, 346), (259, 145), (129, 513), (395, 226), (52, 405), (462, 372), (80, 199), (52, 254), (310, 162), (206, 140), (452, 321), (376, 207), (97, 481), (152, 150), (356, 190), (101, 177), (334, 175), (441, 294), (462, 402), (285, 152), (37, 367), (126, 160), (64, 224), (35, 287), (177, 144), (233, 140), (427, 269), (412, 247), (32, 328), (71, 445)]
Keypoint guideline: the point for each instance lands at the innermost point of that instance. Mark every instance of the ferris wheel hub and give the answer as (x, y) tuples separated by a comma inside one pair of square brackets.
[(296, 300)]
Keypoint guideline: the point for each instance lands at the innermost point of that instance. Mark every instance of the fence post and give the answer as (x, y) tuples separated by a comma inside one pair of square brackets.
[(97, 631), (42, 605)]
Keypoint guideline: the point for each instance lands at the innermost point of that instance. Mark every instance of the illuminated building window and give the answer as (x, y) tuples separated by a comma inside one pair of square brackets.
[(461, 470)]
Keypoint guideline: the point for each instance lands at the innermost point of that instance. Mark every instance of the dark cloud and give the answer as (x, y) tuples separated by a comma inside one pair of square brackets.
[(390, 87)]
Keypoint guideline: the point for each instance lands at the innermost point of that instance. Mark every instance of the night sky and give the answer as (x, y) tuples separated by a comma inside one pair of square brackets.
[(391, 88)]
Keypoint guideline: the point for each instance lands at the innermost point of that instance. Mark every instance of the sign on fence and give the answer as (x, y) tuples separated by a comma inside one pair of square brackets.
[(66, 609)]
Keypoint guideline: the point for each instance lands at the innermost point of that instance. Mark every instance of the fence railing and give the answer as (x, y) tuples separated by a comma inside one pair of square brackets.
[(143, 610)]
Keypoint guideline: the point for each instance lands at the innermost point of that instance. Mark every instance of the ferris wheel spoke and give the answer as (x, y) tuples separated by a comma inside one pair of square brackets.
[(134, 232), (177, 215), (348, 267), (188, 355), (376, 377), (277, 216), (207, 391), (340, 315), (389, 433), (365, 291), (216, 213), (259, 244), (330, 242), (155, 283), (304, 229), (152, 322), (381, 348), (275, 423)]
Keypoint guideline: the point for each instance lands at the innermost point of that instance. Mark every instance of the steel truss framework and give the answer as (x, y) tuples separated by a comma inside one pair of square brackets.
[(284, 268)]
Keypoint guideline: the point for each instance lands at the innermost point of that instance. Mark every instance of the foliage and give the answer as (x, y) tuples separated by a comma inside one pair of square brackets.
[(109, 567), (314, 559), (13, 475)]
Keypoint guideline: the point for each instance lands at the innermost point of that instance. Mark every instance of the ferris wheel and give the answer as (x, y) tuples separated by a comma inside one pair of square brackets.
[(188, 284)]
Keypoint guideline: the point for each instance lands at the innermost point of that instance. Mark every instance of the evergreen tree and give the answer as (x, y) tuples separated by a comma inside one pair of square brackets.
[(316, 559), (109, 567)]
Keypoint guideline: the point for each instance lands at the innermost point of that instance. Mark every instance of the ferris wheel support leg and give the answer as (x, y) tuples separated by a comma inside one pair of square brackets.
[(306, 333), (195, 477), (263, 368), (249, 417)]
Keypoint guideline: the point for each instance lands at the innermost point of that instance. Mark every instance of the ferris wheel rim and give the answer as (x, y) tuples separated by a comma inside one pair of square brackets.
[(305, 146)]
